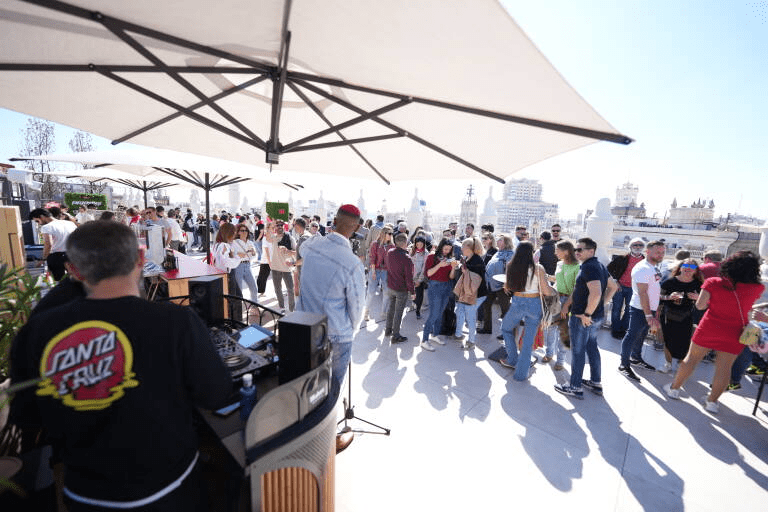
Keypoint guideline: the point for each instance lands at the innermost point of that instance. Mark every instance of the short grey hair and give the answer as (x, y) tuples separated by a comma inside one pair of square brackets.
[(102, 249)]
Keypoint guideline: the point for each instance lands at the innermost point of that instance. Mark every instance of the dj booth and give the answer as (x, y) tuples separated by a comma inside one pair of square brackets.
[(281, 458)]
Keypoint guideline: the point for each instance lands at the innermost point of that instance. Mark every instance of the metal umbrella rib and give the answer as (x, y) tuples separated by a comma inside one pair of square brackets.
[(396, 128), (290, 61), (322, 116)]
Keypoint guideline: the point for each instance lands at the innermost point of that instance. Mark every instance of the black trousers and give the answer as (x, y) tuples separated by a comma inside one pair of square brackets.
[(261, 280), (55, 262), (420, 296)]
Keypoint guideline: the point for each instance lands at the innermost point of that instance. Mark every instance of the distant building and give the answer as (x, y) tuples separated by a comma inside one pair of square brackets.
[(522, 205), (233, 192), (625, 207), (468, 214), (700, 215), (626, 195), (489, 211)]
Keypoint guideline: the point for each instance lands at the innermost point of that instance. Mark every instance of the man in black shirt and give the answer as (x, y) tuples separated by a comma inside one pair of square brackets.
[(120, 379), (587, 311)]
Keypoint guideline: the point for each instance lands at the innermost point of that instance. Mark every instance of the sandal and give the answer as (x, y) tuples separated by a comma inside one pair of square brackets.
[(505, 364), (546, 359)]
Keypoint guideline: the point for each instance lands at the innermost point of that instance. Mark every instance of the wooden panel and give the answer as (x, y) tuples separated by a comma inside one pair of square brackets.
[(11, 237), (296, 490)]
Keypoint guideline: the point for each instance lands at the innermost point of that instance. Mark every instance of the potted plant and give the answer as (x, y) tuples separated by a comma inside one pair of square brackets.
[(18, 292)]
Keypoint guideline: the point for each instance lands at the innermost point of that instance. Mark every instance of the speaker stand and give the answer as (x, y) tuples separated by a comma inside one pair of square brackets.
[(349, 412)]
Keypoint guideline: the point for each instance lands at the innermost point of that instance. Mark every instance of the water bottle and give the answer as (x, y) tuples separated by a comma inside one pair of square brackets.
[(247, 397)]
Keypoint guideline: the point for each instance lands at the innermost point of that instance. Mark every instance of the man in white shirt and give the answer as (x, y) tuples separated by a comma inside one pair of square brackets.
[(646, 289), (165, 223), (177, 234), (83, 216), (55, 233)]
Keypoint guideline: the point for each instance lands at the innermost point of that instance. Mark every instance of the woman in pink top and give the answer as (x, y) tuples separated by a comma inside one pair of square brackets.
[(378, 270)]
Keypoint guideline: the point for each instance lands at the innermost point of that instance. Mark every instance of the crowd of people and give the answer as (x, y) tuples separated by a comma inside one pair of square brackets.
[(459, 275), (322, 269)]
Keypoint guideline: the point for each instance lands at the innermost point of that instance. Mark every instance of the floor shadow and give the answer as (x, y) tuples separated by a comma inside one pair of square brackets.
[(707, 429), (651, 481), (382, 379), (558, 446), (468, 384)]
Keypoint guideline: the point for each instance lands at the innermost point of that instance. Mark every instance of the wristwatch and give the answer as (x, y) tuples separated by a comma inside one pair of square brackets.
[(588, 315)]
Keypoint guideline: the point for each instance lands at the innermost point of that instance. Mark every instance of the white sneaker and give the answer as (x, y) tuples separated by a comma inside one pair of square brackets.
[(435, 339), (426, 345), (467, 345), (666, 368), (712, 407), (671, 393)]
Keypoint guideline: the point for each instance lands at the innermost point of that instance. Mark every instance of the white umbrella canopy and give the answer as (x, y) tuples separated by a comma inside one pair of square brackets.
[(398, 90), (146, 182), (167, 166)]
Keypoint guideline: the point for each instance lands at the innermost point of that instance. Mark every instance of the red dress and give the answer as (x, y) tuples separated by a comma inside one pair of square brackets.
[(722, 323)]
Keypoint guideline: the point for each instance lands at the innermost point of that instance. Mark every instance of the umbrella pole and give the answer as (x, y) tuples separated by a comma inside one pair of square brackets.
[(207, 230), (144, 188)]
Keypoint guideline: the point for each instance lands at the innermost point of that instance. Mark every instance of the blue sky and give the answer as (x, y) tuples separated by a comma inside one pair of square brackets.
[(685, 78)]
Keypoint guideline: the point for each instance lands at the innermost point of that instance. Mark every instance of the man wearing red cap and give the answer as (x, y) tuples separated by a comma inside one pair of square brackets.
[(333, 284)]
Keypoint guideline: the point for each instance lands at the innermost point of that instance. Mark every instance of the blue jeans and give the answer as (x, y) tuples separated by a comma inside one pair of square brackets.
[(741, 364), (377, 278), (258, 246), (552, 339), (621, 298), (438, 292), (468, 312), (243, 276), (340, 353), (521, 308), (632, 344), (584, 343)]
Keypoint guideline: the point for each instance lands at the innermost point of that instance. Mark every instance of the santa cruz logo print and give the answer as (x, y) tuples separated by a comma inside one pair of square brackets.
[(87, 366)]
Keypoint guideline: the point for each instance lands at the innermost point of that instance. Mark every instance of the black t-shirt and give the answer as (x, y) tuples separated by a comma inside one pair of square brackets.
[(475, 264), (591, 270), (121, 379), (257, 231), (65, 292), (675, 285)]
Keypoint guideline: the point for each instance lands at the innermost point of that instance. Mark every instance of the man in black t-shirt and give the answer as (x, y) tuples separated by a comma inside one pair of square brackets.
[(120, 377), (589, 295)]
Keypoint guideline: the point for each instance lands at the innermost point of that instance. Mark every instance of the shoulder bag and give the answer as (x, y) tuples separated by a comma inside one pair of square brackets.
[(550, 305), (751, 332)]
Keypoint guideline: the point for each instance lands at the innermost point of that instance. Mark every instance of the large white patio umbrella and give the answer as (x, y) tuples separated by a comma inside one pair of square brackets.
[(148, 169), (146, 182), (398, 89)]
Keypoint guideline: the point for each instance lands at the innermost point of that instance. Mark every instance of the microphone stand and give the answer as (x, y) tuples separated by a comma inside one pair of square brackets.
[(349, 412)]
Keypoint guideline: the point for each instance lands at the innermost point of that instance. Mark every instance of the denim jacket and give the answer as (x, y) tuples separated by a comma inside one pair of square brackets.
[(497, 265)]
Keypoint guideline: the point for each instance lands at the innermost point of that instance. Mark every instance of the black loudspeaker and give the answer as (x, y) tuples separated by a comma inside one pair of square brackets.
[(302, 344), (25, 206), (206, 297)]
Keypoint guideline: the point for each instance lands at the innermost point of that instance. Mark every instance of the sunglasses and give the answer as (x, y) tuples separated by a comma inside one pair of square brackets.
[(555, 230), (689, 265)]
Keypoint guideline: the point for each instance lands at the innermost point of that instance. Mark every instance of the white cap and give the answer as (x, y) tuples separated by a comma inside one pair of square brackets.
[(247, 380)]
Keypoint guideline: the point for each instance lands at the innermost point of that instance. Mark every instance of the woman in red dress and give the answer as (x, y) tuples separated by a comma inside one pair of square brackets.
[(728, 299)]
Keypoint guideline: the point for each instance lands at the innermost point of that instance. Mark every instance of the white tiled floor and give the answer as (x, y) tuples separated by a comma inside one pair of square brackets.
[(465, 436)]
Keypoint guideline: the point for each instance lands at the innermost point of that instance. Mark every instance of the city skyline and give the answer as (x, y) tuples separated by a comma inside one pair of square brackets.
[(682, 78)]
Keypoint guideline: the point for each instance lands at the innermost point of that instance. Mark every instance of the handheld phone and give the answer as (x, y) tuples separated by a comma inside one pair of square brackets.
[(226, 411)]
